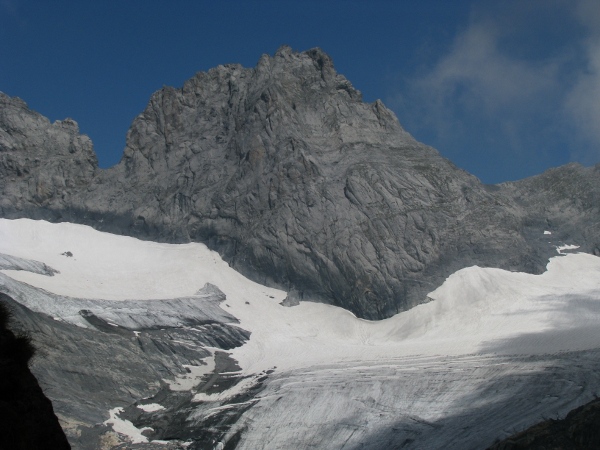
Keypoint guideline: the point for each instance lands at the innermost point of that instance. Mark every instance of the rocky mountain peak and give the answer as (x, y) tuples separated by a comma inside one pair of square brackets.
[(297, 182)]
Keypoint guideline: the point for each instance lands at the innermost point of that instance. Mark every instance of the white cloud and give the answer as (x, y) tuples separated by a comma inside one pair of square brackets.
[(553, 94), (582, 102), (588, 13), (480, 76)]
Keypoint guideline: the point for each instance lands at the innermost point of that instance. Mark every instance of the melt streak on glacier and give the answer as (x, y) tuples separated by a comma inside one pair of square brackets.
[(481, 320)]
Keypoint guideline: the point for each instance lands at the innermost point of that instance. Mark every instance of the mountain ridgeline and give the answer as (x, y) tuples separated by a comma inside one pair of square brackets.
[(297, 183)]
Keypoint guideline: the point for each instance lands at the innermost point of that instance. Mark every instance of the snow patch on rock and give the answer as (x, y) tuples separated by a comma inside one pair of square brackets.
[(561, 248), (125, 427), (151, 407)]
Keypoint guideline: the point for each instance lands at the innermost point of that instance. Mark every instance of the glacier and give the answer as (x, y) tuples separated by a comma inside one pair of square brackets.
[(492, 351)]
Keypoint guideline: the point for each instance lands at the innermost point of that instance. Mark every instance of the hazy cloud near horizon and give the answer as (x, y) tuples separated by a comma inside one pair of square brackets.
[(583, 99), (523, 79)]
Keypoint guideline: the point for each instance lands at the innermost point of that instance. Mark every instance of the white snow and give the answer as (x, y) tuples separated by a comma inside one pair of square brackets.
[(191, 379), (151, 407), (334, 370), (236, 389), (125, 427), (561, 248), (105, 265), (475, 310)]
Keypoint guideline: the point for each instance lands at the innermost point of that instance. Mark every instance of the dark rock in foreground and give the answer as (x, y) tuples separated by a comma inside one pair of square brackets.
[(27, 419), (110, 357)]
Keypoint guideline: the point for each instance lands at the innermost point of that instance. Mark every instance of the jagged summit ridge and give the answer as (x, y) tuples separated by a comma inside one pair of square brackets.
[(297, 182), (40, 162), (227, 103)]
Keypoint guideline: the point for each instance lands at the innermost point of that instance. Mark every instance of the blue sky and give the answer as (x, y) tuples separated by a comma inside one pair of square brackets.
[(504, 89)]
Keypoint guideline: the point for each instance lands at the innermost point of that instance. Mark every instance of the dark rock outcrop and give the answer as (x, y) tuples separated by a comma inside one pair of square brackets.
[(41, 164), (564, 201), (298, 183), (117, 360), (580, 430), (27, 419)]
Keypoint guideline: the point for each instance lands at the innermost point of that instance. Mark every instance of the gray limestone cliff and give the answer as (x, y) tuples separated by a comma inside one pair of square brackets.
[(41, 163), (298, 183)]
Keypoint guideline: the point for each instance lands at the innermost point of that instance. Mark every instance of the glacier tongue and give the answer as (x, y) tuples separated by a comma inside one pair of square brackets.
[(458, 402), (494, 351)]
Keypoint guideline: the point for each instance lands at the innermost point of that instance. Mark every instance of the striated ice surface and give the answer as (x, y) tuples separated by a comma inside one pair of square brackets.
[(492, 352)]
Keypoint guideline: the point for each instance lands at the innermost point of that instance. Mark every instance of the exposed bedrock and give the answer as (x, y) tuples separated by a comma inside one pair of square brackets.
[(27, 419), (579, 430), (113, 355), (298, 183)]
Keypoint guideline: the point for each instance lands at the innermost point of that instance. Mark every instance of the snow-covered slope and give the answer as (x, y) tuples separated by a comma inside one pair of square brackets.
[(347, 381), (476, 309)]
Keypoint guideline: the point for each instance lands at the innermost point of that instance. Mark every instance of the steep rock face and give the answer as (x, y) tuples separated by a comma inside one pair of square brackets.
[(286, 172), (41, 163), (296, 182), (564, 201)]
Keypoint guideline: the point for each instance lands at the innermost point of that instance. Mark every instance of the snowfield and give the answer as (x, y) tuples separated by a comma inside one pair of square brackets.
[(443, 364)]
